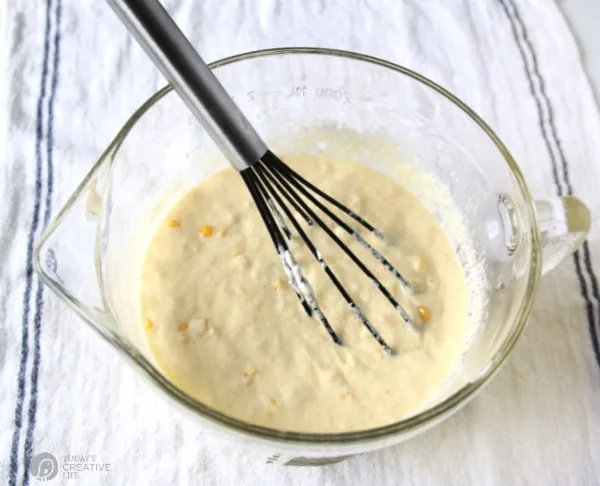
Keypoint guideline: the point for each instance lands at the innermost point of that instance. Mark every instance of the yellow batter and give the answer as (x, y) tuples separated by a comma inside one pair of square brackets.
[(226, 327)]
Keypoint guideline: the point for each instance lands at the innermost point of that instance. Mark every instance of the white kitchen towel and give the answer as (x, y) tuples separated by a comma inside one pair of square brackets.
[(71, 76)]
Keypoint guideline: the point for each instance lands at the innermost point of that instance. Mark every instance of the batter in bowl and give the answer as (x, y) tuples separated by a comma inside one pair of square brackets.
[(225, 326)]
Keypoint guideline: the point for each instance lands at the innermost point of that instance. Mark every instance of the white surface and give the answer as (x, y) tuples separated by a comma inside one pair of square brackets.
[(536, 423), (584, 18)]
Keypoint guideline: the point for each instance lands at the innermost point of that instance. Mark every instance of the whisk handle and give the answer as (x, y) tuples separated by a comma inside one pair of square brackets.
[(192, 79)]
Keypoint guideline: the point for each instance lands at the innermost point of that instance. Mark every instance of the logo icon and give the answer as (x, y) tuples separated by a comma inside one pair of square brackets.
[(44, 466)]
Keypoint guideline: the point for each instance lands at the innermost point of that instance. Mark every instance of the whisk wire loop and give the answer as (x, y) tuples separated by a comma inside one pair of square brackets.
[(272, 184)]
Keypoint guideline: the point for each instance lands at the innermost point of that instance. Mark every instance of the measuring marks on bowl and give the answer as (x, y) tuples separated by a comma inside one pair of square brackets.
[(332, 94), (325, 93)]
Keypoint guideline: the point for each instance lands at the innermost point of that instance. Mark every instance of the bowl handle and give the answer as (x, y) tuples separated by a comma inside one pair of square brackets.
[(564, 224)]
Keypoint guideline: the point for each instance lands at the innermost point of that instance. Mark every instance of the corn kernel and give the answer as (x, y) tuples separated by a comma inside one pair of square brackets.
[(148, 324), (420, 263), (207, 230), (272, 401), (238, 253), (174, 223), (250, 372), (278, 284), (424, 313), (184, 326)]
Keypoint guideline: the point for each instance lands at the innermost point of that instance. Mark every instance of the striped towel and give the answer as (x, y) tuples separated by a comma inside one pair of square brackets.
[(70, 77)]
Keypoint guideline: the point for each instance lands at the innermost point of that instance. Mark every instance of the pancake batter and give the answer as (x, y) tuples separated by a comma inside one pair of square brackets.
[(226, 327)]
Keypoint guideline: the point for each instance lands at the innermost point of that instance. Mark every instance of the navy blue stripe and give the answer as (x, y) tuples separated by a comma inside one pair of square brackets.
[(37, 319), (35, 220), (594, 328), (537, 100), (589, 308), (534, 72), (587, 259)]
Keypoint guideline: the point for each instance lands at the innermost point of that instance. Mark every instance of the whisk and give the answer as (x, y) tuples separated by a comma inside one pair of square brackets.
[(274, 186)]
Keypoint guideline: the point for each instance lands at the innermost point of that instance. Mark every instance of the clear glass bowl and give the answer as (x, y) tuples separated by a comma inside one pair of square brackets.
[(310, 100)]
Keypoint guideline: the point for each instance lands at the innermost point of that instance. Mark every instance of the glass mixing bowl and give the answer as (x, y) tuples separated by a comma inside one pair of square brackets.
[(344, 105)]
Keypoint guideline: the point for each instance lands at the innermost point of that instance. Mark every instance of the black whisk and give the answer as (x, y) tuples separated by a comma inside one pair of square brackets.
[(275, 187), (272, 184)]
